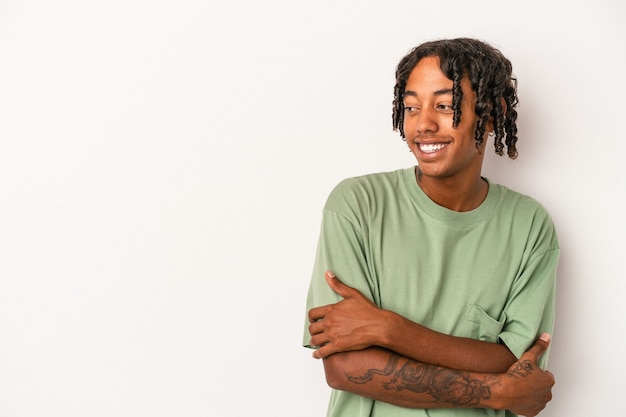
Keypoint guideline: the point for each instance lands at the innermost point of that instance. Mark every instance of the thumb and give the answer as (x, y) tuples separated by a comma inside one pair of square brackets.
[(539, 347), (336, 285)]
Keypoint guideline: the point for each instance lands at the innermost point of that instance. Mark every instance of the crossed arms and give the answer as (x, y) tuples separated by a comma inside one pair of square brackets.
[(368, 351)]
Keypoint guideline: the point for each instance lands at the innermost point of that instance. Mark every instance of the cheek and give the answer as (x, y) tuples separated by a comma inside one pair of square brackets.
[(408, 126), (467, 130)]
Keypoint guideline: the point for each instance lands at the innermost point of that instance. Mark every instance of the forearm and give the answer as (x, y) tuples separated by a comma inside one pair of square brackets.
[(420, 343), (356, 323), (385, 376)]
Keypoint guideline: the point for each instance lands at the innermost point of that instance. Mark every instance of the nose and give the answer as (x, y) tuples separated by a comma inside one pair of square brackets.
[(426, 121)]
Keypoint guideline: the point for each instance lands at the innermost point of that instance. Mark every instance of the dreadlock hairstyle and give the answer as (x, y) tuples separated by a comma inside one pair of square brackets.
[(490, 74)]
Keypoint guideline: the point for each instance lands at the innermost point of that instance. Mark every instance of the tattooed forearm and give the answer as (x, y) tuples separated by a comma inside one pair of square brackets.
[(443, 385), (386, 371)]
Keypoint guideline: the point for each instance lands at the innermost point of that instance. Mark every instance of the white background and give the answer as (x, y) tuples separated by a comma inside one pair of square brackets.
[(163, 166)]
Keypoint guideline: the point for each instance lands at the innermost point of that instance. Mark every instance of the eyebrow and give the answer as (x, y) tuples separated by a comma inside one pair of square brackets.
[(436, 93)]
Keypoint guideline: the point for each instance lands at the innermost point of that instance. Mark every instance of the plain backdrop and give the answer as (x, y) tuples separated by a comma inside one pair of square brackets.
[(163, 165)]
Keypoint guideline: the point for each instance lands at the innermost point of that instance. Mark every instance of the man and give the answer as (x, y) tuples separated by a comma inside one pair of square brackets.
[(443, 279)]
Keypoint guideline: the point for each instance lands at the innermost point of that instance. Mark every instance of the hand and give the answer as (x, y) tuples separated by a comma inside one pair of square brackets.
[(351, 324), (529, 388)]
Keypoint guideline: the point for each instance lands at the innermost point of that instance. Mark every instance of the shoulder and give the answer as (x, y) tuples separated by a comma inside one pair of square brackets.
[(527, 215), (365, 189), (519, 202)]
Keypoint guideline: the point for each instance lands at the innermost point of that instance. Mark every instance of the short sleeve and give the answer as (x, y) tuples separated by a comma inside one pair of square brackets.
[(530, 308), (342, 248)]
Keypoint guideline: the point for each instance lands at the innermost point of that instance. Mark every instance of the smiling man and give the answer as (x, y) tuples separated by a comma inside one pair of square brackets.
[(433, 288)]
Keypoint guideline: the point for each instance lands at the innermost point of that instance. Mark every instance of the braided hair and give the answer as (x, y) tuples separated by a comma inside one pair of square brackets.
[(490, 74)]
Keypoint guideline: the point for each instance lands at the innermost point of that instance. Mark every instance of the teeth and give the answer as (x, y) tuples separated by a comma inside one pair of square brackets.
[(432, 147)]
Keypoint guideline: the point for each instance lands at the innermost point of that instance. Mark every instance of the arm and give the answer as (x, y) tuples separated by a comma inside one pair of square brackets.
[(356, 323), (385, 376)]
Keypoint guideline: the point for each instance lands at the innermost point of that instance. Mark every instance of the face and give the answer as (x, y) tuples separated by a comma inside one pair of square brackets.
[(441, 150)]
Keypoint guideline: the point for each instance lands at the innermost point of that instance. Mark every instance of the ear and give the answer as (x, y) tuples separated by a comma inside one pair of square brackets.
[(504, 107)]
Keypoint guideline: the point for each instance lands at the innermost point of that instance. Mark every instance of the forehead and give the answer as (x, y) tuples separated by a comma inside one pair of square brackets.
[(427, 79), (427, 76)]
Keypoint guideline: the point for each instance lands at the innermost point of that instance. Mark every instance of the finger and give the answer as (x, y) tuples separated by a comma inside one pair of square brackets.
[(316, 327), (318, 340), (539, 347), (323, 352), (316, 313), (337, 286)]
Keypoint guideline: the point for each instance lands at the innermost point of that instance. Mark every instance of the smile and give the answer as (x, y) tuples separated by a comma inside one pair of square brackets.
[(431, 147)]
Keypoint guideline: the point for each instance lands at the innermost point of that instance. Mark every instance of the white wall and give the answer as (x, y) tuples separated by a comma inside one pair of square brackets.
[(163, 166)]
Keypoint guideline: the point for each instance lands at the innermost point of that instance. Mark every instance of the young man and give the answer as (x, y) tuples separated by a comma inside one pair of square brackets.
[(443, 279)]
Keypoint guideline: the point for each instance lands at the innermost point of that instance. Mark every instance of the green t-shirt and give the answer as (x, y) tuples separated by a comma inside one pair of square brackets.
[(488, 274)]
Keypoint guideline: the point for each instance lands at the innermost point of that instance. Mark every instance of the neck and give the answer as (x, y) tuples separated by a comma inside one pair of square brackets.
[(458, 195)]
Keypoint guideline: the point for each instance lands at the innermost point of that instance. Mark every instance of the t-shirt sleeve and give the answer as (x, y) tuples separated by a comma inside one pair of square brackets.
[(341, 249), (530, 306)]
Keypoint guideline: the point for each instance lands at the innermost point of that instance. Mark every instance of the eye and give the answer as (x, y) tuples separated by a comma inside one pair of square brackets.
[(410, 109), (445, 108)]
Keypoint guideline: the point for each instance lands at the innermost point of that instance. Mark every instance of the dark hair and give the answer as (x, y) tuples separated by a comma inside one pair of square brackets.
[(490, 74)]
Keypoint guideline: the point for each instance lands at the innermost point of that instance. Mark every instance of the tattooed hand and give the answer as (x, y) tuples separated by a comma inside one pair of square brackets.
[(526, 388)]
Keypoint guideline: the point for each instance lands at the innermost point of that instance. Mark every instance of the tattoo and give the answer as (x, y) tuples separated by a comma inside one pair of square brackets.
[(419, 174), (522, 369), (389, 368), (444, 385)]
